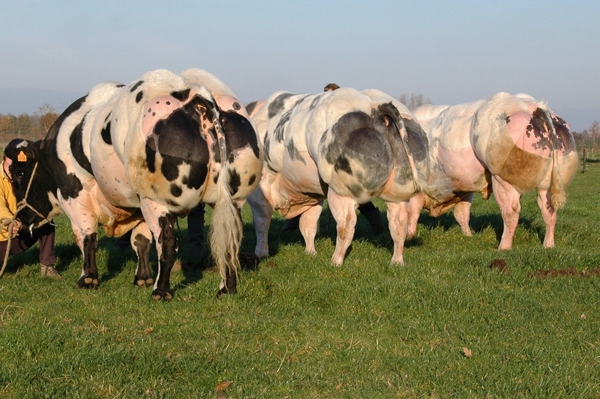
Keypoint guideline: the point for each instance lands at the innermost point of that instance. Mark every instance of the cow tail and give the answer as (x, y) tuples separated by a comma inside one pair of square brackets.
[(417, 181), (225, 235), (436, 189), (557, 187)]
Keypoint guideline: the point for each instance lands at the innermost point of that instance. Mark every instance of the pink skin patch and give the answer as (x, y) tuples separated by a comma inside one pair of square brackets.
[(110, 176), (157, 109), (228, 103), (462, 167), (525, 138)]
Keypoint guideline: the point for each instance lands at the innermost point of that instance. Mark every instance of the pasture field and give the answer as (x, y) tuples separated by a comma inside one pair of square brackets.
[(445, 325)]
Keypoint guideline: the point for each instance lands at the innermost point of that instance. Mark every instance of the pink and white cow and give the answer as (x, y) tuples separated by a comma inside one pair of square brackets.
[(506, 144), (344, 146)]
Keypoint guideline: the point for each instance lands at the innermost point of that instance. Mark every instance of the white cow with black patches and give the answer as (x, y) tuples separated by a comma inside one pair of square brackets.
[(344, 146), (138, 156), (508, 144)]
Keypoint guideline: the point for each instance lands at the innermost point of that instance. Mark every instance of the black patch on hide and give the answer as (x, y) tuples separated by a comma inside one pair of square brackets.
[(564, 137), (342, 164), (175, 190), (293, 152), (105, 133), (361, 139), (417, 139), (235, 182), (538, 128), (250, 107), (277, 104), (181, 95), (315, 102), (179, 141), (239, 133), (135, 86), (150, 158), (77, 147), (278, 132)]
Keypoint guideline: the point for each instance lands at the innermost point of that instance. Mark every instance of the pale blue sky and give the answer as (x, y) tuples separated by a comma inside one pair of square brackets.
[(449, 51)]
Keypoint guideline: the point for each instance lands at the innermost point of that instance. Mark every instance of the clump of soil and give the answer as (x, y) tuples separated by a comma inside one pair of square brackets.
[(500, 265)]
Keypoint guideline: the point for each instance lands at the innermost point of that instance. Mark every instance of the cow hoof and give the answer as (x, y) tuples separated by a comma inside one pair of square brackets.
[(162, 295), (88, 283), (225, 291), (142, 282)]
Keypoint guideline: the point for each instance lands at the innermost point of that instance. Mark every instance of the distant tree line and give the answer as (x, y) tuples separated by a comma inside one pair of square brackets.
[(413, 101), (589, 138), (25, 126)]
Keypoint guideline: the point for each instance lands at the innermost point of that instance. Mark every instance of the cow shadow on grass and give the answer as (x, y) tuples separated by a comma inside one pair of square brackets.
[(119, 255), (477, 223), (327, 228)]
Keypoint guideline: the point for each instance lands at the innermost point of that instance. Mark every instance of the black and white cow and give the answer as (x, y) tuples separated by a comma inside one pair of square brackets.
[(136, 157), (344, 146)]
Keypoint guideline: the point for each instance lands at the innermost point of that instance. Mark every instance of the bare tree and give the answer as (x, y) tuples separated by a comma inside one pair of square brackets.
[(413, 100), (5, 124), (594, 132), (48, 116)]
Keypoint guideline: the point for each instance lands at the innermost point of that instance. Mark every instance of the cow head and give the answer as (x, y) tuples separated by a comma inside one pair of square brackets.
[(33, 185)]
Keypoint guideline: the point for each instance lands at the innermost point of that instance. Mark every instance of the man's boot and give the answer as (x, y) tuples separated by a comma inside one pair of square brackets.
[(51, 272)]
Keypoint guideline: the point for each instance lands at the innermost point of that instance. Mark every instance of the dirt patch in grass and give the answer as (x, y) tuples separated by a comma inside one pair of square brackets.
[(500, 265)]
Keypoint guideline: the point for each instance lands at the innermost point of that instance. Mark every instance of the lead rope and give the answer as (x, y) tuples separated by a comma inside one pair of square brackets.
[(24, 204), (8, 223)]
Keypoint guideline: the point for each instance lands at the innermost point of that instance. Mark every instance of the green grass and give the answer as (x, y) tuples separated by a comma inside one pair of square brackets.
[(301, 328)]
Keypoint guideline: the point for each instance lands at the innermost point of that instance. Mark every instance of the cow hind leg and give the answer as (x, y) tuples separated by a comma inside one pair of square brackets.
[(167, 249), (309, 222), (415, 205), (343, 210), (508, 199), (262, 213), (141, 242), (89, 274), (549, 215), (462, 214), (397, 213)]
